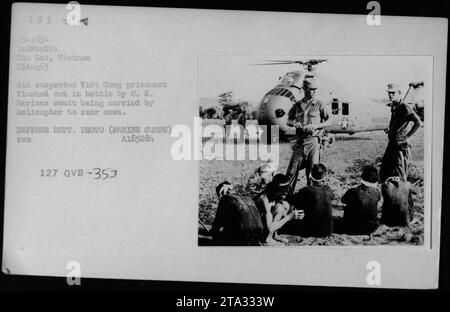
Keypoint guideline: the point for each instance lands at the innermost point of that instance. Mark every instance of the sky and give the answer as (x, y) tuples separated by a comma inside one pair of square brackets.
[(360, 76)]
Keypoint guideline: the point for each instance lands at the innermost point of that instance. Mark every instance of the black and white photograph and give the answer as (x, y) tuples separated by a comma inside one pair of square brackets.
[(350, 164)]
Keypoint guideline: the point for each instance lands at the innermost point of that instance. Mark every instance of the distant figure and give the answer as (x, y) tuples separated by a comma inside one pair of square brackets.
[(315, 200), (396, 157), (361, 211), (237, 221), (228, 117), (398, 207), (242, 118), (242, 121), (262, 176), (274, 209), (309, 116)]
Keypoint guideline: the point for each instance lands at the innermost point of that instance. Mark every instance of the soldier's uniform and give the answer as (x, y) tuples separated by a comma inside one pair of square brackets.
[(307, 146)]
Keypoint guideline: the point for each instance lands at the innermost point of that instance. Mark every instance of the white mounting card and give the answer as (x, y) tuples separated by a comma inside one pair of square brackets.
[(104, 101)]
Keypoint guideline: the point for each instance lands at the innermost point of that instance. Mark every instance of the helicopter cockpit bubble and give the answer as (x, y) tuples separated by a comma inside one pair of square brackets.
[(291, 79)]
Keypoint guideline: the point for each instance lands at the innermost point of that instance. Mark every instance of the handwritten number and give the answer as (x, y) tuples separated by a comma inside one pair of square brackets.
[(106, 173), (97, 173)]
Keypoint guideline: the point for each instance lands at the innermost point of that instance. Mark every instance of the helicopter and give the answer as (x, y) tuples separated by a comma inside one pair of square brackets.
[(349, 114)]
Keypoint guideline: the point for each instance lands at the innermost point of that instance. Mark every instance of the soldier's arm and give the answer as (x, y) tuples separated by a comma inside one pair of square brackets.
[(291, 117), (324, 118), (416, 120), (290, 123)]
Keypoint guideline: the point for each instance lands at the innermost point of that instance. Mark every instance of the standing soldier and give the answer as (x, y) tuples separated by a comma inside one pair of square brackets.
[(309, 116), (242, 118), (396, 157), (242, 122)]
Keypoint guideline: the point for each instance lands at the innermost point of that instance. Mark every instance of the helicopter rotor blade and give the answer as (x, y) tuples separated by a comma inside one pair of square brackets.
[(279, 62), (284, 63)]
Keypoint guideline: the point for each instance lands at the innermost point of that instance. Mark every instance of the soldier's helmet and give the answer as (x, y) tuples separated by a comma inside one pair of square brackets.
[(310, 84), (393, 87)]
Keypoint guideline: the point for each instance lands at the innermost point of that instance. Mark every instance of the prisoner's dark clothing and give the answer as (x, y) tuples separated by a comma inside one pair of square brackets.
[(361, 211), (396, 157), (398, 207), (237, 222), (316, 203), (308, 112)]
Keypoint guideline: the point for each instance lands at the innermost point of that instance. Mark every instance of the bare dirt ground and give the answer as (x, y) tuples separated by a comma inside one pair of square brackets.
[(344, 161)]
